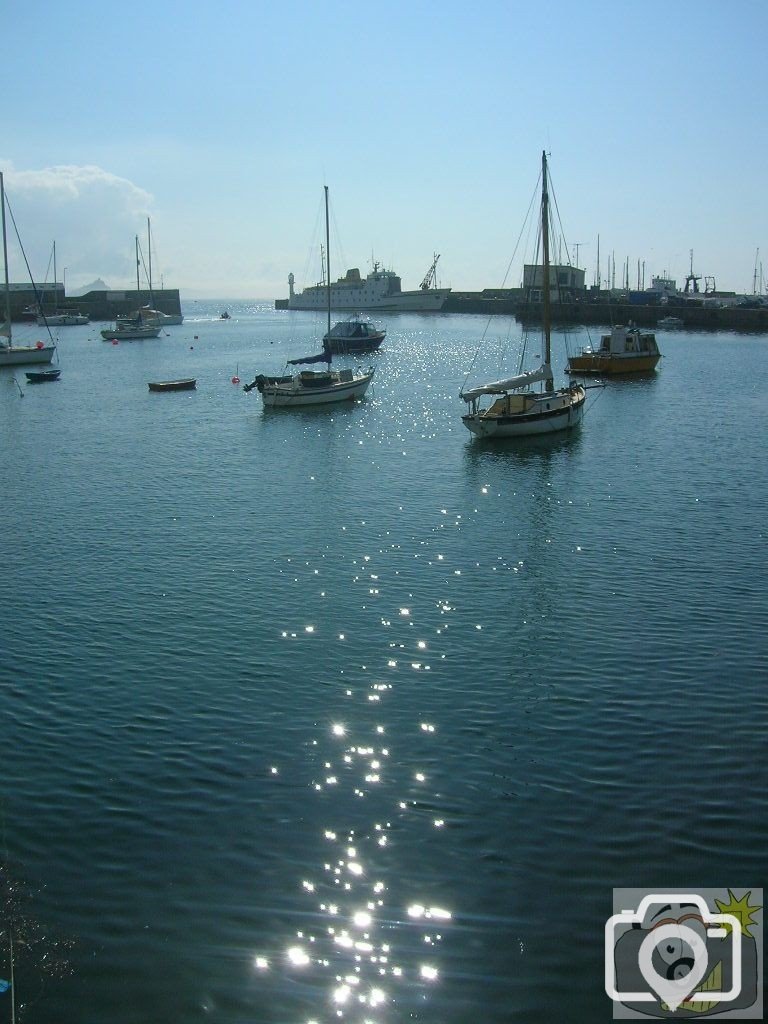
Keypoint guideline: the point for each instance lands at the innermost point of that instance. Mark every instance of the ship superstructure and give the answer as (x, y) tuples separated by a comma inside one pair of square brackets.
[(380, 289)]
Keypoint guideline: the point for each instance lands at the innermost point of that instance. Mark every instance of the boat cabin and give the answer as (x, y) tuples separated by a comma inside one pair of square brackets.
[(628, 341), (511, 405)]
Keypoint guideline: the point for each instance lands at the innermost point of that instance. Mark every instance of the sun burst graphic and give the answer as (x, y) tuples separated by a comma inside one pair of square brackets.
[(741, 909)]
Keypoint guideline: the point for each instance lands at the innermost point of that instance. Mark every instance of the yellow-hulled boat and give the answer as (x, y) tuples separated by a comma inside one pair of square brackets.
[(624, 350)]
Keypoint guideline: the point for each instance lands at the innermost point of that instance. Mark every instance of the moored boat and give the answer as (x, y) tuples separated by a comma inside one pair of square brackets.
[(357, 334), (152, 317), (63, 319), (670, 322), (185, 384), (10, 354), (40, 376), (310, 387), (624, 350), (517, 409), (130, 330), (59, 317)]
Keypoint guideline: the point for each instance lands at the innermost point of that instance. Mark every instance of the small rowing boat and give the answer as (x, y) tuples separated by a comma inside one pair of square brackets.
[(189, 384), (38, 376)]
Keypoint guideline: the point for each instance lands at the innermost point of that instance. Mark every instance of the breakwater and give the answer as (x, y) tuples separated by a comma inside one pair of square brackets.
[(699, 317), (98, 304)]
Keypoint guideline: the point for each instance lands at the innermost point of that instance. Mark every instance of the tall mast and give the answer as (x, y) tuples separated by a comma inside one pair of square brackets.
[(5, 264), (137, 269), (55, 293), (327, 258), (549, 383), (149, 247), (597, 282)]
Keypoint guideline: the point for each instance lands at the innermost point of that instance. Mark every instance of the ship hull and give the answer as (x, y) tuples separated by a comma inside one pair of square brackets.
[(612, 364), (23, 356), (563, 411), (275, 397), (429, 301)]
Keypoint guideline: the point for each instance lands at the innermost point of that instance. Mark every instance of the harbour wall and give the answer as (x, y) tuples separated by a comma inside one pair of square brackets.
[(698, 317), (99, 305), (714, 318)]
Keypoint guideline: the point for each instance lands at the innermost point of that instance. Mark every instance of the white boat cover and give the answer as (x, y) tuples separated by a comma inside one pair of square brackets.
[(522, 380)]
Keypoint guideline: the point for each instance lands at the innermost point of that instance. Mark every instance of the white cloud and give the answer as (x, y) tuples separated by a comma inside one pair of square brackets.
[(92, 214)]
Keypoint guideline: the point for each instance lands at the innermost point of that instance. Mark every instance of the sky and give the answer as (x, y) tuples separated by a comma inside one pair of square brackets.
[(221, 123)]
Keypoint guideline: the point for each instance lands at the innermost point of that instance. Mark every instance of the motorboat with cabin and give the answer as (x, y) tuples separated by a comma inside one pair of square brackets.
[(356, 334), (624, 350)]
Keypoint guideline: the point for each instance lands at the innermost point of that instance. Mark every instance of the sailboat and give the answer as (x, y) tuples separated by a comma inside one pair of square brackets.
[(520, 410), (148, 314), (310, 387), (60, 318), (10, 354), (135, 326)]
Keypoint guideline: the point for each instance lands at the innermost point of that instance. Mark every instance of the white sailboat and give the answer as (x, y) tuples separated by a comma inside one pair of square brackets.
[(135, 326), (60, 318), (149, 313), (518, 410), (10, 354), (310, 387)]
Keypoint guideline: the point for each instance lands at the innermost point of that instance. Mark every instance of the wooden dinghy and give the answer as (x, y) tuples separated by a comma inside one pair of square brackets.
[(189, 384), (39, 376)]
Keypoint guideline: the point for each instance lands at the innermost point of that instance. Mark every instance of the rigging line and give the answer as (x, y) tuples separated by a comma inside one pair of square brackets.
[(313, 246), (26, 261), (47, 269), (602, 388), (527, 223), (556, 208), (341, 260), (144, 265)]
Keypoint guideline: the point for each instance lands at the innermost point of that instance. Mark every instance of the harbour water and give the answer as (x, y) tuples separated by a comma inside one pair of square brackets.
[(343, 715)]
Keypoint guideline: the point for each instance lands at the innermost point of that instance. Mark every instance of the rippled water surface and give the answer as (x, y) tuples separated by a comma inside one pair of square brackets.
[(342, 715)]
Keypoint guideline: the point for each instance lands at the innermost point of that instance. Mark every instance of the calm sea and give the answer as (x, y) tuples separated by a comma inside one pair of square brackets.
[(343, 715)]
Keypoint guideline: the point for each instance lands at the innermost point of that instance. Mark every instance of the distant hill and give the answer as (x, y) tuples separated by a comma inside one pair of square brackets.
[(95, 286)]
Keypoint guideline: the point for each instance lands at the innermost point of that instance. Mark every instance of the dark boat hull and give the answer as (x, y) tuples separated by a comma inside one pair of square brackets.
[(354, 345), (40, 376), (173, 385)]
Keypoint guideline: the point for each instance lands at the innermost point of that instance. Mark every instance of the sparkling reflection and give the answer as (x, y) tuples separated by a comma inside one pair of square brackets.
[(362, 944)]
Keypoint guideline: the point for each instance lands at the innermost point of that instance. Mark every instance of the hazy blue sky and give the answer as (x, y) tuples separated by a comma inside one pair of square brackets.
[(222, 121)]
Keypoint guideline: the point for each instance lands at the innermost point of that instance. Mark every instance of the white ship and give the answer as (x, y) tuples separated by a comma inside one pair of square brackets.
[(381, 289)]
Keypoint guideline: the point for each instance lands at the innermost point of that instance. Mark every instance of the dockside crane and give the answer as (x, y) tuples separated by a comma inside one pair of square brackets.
[(430, 279)]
